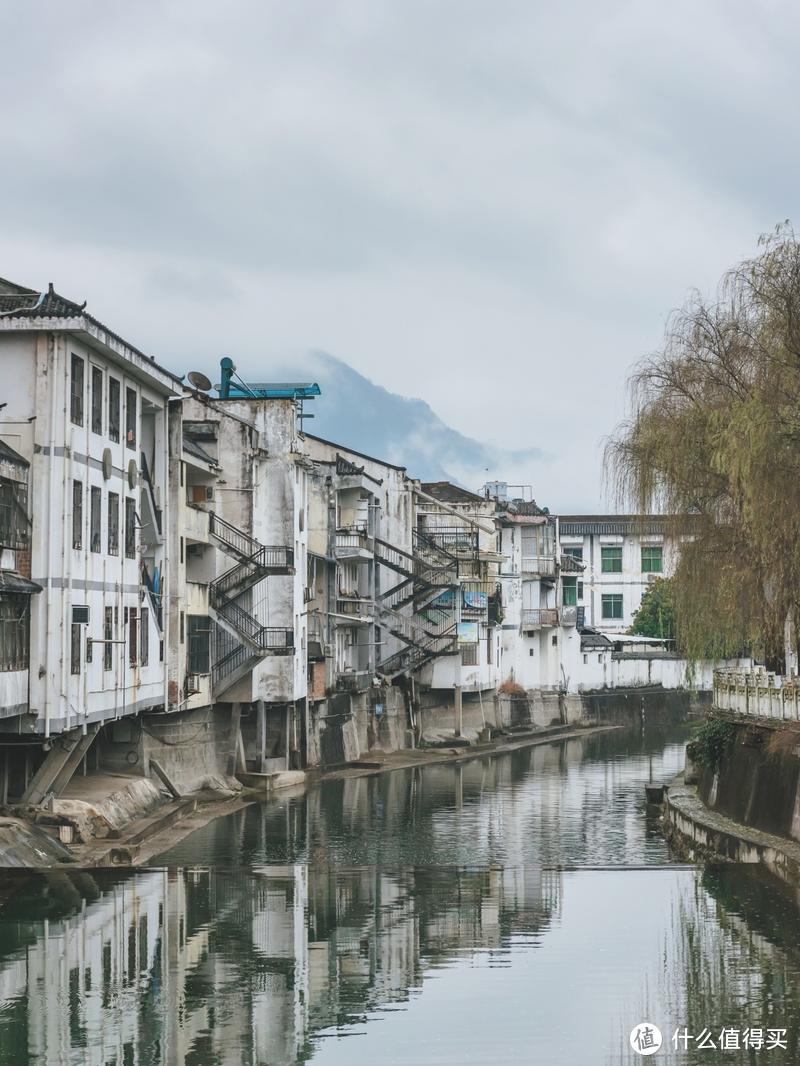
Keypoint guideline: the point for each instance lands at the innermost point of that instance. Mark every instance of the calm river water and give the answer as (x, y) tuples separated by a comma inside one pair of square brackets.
[(517, 909)]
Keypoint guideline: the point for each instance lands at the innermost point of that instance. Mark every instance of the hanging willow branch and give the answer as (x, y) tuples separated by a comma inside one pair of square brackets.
[(713, 441)]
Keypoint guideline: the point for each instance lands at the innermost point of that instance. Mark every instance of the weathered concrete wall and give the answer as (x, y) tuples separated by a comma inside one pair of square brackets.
[(191, 746), (758, 780), (347, 726)]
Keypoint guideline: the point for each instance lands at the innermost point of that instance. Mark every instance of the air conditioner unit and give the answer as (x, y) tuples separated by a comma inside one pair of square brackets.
[(192, 684), (327, 651), (209, 492)]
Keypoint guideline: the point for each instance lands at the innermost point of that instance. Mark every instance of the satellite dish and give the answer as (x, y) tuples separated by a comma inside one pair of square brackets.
[(107, 465), (199, 380), (133, 474)]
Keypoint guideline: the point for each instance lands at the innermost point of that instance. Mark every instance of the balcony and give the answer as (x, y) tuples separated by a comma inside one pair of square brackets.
[(353, 680), (539, 618), (361, 612), (541, 565), (353, 545), (454, 540)]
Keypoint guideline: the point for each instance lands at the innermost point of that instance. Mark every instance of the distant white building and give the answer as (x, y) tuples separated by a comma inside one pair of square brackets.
[(622, 555)]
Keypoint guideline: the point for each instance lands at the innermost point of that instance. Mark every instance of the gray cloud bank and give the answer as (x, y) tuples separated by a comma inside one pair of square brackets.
[(489, 206)]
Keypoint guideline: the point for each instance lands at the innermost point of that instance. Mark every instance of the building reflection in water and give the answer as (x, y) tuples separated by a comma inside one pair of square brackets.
[(197, 966)]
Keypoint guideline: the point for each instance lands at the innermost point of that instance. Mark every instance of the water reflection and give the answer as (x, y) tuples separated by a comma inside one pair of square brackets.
[(227, 967), (428, 917), (578, 802)]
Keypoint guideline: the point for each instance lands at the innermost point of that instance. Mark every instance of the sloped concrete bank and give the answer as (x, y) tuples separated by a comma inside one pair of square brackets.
[(696, 832)]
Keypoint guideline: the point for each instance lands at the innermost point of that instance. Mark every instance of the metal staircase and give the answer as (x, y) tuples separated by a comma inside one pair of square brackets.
[(426, 573), (249, 640)]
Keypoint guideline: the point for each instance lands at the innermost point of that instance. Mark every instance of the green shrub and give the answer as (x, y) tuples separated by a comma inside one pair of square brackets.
[(710, 742)]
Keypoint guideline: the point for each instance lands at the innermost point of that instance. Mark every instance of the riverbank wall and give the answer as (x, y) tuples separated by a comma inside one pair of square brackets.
[(745, 805)]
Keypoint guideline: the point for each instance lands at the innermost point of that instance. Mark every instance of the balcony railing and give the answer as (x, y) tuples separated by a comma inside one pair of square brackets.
[(539, 617), (539, 564), (355, 607), (453, 539), (352, 539)]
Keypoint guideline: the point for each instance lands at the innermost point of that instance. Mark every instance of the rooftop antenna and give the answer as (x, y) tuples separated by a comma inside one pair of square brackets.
[(198, 380)]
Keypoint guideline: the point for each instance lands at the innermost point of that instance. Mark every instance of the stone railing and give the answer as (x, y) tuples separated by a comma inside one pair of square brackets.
[(757, 693)]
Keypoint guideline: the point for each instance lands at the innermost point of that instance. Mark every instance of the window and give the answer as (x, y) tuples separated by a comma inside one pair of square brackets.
[(612, 605), (14, 632), (97, 400), (490, 646), (130, 528), (130, 418), (574, 553), (580, 591), (76, 391), (144, 637), (14, 528), (469, 654), (569, 592), (652, 559), (77, 514), (133, 635), (113, 408), (611, 560), (108, 636), (95, 503), (198, 660), (113, 523), (181, 627), (75, 648)]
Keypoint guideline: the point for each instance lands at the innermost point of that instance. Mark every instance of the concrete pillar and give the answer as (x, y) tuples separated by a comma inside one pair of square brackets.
[(288, 735), (262, 735)]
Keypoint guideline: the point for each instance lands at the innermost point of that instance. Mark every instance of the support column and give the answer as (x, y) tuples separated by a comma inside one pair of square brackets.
[(262, 736), (459, 711), (288, 735)]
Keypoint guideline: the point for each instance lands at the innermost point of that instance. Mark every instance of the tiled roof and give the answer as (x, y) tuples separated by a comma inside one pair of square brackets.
[(13, 582), (612, 524), (8, 454), (447, 492), (18, 302)]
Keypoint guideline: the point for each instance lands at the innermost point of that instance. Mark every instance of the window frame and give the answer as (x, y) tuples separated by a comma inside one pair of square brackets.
[(112, 532), (77, 388), (198, 658), (131, 408), (569, 583), (76, 638), (108, 636), (144, 636), (133, 636), (77, 515), (95, 519), (617, 598), (607, 558), (15, 632), (650, 549), (114, 407), (96, 404), (130, 527)]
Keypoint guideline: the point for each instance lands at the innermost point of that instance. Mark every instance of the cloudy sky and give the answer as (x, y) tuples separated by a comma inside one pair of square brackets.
[(489, 205)]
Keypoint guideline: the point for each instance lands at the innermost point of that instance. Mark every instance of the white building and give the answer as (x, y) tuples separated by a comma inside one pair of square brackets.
[(88, 412), (622, 556)]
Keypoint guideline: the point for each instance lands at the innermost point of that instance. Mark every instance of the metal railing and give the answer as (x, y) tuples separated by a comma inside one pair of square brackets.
[(453, 539), (757, 694), (232, 537), (357, 608), (539, 617), (538, 564), (351, 539), (263, 562)]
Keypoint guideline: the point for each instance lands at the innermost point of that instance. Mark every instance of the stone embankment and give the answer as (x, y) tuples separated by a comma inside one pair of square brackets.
[(746, 808)]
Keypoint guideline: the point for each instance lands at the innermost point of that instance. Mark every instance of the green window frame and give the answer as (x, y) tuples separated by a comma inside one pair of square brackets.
[(611, 559), (652, 559), (574, 553), (611, 606), (569, 592)]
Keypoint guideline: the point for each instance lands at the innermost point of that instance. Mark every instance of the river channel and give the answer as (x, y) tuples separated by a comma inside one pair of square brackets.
[(518, 908)]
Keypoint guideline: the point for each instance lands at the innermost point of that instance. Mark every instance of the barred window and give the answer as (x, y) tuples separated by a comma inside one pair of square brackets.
[(97, 400), (199, 633), (14, 632), (76, 631), (108, 636), (133, 636), (77, 514), (469, 654), (76, 390), (144, 637), (95, 503), (130, 528), (113, 408), (14, 526), (130, 417), (113, 523)]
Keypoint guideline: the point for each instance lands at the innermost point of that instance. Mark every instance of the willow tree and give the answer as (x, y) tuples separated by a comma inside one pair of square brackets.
[(713, 442)]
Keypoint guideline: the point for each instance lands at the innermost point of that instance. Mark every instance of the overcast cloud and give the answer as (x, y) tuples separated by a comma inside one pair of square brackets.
[(491, 206)]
